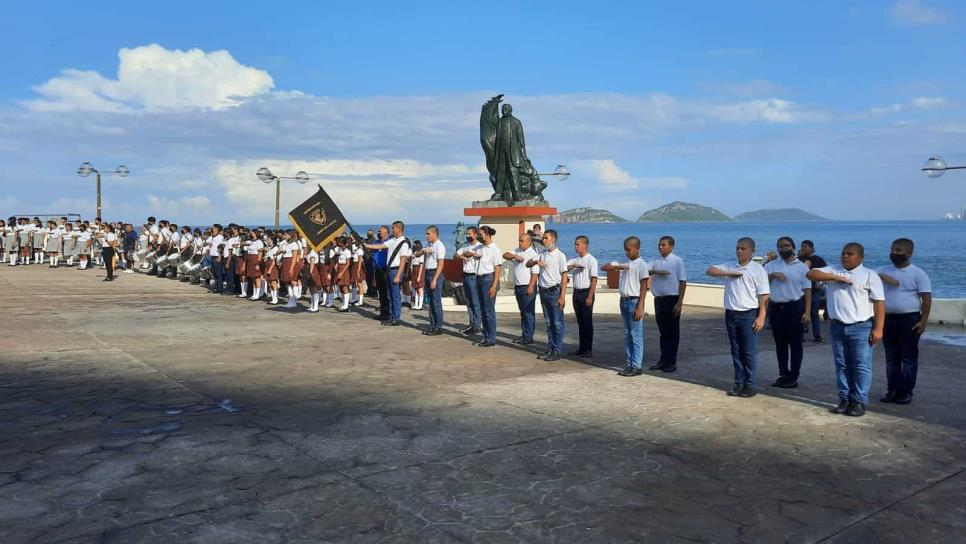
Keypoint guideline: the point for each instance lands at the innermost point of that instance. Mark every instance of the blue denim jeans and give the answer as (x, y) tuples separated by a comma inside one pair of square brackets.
[(633, 332), (527, 305), (435, 299), (553, 316), (472, 300), (218, 273), (901, 345), (853, 360), (487, 306), (395, 295), (744, 346)]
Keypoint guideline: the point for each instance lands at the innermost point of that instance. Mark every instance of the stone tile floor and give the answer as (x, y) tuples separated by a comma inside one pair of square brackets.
[(147, 410)]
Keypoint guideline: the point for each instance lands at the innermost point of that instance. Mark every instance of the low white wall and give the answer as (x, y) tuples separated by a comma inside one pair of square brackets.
[(944, 310)]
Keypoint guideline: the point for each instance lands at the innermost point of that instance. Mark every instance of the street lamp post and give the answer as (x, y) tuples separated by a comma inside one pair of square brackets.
[(267, 176), (935, 167), (86, 169)]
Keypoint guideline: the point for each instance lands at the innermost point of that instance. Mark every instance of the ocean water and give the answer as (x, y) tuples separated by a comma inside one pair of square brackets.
[(940, 245)]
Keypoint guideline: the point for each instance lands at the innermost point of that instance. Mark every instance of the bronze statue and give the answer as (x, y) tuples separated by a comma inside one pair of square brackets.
[(511, 173)]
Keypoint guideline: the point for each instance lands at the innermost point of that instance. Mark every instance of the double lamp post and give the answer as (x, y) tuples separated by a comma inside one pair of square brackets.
[(86, 169)]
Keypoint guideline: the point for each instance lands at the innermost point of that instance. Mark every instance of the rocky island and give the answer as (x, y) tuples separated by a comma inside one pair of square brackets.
[(779, 214), (586, 215), (682, 212)]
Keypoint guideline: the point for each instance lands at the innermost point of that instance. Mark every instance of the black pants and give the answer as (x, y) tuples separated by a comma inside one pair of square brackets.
[(901, 351), (585, 319), (108, 254), (382, 290), (218, 272), (669, 326), (786, 326)]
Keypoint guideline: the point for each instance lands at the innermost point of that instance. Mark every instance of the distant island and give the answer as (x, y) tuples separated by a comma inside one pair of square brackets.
[(682, 212), (779, 214), (586, 215)]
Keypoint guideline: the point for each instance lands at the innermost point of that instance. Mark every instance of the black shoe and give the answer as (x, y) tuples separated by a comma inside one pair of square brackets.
[(628, 370), (107, 279), (393, 323), (377, 318), (544, 355), (905, 398), (670, 368), (554, 356), (819, 339), (747, 392), (518, 340), (855, 409), (735, 391), (433, 332), (526, 341), (779, 382), (469, 330), (890, 396), (586, 355), (789, 384), (841, 408), (657, 366), (576, 352), (485, 344)]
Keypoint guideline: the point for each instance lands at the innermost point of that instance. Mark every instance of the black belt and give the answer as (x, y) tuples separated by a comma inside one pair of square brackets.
[(786, 302), (551, 288), (581, 289), (667, 296), (630, 298), (905, 314), (468, 274), (848, 324)]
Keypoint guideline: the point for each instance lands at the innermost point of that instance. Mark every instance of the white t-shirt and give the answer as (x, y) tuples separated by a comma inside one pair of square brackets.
[(913, 282), (490, 259), (216, 241), (231, 246), (438, 254), (312, 257), (582, 276), (795, 283), (417, 260), (405, 251), (630, 280), (670, 285), (345, 255), (111, 237), (287, 248), (469, 265), (852, 303), (555, 267), (521, 272), (741, 293), (254, 247), (357, 253)]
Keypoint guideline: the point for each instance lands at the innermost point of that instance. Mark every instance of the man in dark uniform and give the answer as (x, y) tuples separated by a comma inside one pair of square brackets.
[(807, 255), (379, 258)]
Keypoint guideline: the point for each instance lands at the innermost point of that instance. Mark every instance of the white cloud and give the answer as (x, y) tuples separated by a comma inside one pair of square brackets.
[(174, 207), (153, 78), (914, 12), (770, 110), (923, 102), (615, 178)]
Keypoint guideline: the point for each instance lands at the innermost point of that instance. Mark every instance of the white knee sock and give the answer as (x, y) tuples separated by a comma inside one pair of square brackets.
[(315, 301), (244, 286), (13, 259), (345, 303), (274, 296)]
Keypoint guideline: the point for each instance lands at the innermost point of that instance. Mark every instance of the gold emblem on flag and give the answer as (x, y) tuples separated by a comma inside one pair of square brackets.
[(317, 216)]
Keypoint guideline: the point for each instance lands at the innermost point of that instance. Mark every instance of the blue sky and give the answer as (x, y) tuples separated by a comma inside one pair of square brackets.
[(829, 106)]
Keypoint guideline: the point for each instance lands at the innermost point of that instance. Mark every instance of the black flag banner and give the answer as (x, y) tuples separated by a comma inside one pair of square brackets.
[(318, 220)]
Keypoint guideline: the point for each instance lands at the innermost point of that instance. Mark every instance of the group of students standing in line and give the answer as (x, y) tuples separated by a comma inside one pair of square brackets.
[(890, 304)]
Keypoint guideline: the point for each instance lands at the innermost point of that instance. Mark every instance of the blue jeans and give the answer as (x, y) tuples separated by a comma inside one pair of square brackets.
[(553, 316), (786, 327), (901, 345), (395, 295), (230, 275), (435, 299), (853, 360), (218, 271), (472, 300), (818, 296), (527, 305), (487, 306), (744, 346), (633, 332)]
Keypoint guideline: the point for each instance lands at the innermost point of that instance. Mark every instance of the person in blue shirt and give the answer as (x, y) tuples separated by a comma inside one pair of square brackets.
[(130, 245), (379, 258)]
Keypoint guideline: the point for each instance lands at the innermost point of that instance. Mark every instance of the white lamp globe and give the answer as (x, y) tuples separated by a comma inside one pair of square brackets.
[(934, 167), (561, 172)]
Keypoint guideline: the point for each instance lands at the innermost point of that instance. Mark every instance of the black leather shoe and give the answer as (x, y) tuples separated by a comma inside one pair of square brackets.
[(904, 398), (554, 356), (470, 330), (586, 355), (841, 408), (544, 355), (526, 341), (747, 392), (670, 368), (735, 391), (576, 352), (789, 384), (779, 382), (627, 371), (855, 409), (484, 344), (518, 340), (890, 396), (657, 366), (635, 372), (819, 339)]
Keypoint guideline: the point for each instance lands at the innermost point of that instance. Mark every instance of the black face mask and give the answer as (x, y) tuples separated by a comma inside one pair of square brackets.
[(470, 240), (897, 259), (787, 254)]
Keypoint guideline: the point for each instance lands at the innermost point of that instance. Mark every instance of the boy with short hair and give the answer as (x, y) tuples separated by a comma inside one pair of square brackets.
[(633, 289)]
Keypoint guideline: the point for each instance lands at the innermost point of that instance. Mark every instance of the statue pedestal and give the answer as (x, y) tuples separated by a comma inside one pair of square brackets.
[(510, 221)]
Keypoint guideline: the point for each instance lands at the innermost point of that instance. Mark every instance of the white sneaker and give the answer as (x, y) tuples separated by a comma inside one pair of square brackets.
[(128, 271)]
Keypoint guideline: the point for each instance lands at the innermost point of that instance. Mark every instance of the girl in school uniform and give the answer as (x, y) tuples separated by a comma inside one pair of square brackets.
[(241, 262), (325, 275), (23, 239), (254, 250), (70, 242), (84, 246), (6, 237), (419, 270), (39, 241), (270, 267), (288, 267), (314, 277), (342, 278), (109, 249), (358, 273), (53, 243)]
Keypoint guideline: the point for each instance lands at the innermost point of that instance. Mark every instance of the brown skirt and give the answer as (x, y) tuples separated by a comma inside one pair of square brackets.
[(239, 262), (325, 275), (271, 270), (344, 280), (252, 268), (358, 273), (315, 275), (290, 270)]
